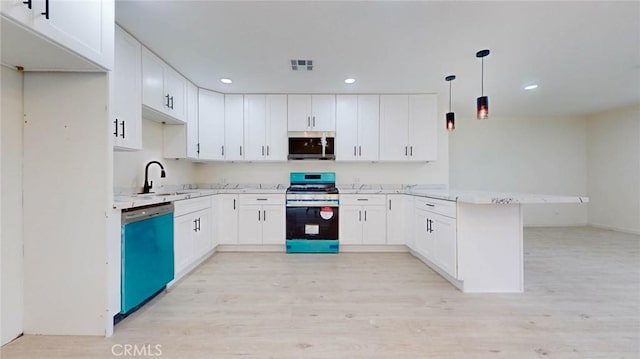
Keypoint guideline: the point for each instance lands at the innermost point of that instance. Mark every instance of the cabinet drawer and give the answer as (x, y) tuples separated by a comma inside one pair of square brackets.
[(363, 200), (262, 199), (191, 205), (445, 208)]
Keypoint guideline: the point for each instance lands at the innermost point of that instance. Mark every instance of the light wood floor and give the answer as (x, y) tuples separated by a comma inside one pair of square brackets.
[(581, 300)]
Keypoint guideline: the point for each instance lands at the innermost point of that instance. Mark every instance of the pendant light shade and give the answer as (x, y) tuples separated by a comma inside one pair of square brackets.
[(451, 117), (482, 103)]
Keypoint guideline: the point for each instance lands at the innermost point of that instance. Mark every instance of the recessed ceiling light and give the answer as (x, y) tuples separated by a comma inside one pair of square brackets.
[(226, 81), (349, 80), (531, 87)]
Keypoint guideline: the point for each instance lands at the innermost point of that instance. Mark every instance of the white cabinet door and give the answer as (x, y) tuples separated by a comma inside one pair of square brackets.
[(273, 224), (368, 127), (153, 93), (227, 218), (423, 235), (394, 127), (423, 136), (374, 225), (203, 241), (127, 92), (255, 127), (193, 148), (350, 225), (299, 112), (176, 87), (85, 27), (346, 142), (445, 251), (323, 112), (17, 10), (211, 124), (277, 140), (396, 219), (250, 224), (233, 127), (183, 242)]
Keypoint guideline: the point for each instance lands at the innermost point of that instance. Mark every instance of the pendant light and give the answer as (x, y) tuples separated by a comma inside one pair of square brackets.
[(451, 117), (482, 101)]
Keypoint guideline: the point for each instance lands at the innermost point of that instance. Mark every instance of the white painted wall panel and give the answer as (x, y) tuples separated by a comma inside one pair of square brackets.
[(614, 169), (12, 273), (532, 155)]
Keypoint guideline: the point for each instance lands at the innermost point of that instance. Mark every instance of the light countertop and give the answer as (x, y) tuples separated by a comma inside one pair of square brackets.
[(124, 201)]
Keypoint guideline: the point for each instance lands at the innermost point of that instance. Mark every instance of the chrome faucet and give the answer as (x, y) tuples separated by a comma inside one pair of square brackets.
[(148, 185)]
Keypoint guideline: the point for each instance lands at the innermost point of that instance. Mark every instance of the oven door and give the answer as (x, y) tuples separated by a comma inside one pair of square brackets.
[(312, 222)]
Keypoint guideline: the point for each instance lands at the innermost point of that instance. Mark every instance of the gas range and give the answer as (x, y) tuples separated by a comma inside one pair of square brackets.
[(312, 213), (312, 189)]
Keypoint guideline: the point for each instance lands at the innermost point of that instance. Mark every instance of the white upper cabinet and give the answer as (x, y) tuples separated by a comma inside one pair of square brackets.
[(357, 127), (211, 125), (163, 90), (181, 141), (311, 113), (233, 127), (408, 128), (84, 28), (127, 94), (265, 127)]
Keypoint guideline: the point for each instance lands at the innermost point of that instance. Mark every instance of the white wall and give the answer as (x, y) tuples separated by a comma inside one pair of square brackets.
[(12, 275), (346, 172), (614, 168), (129, 166), (532, 155)]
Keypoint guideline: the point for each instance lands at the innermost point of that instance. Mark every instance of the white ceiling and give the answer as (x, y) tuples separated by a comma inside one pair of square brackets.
[(585, 56)]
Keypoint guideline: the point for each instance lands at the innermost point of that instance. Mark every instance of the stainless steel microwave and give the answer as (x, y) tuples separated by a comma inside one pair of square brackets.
[(311, 146)]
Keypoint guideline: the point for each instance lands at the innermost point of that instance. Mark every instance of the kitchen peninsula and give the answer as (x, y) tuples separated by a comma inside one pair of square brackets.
[(474, 239)]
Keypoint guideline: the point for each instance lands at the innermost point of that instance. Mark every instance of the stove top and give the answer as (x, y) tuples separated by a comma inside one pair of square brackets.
[(329, 189)]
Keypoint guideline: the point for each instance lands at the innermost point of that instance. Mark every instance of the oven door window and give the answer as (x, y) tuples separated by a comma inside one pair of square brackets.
[(312, 222)]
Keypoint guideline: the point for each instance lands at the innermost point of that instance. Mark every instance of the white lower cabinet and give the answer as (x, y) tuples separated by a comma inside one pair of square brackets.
[(192, 233), (225, 214), (435, 233), (362, 219), (397, 218), (261, 219)]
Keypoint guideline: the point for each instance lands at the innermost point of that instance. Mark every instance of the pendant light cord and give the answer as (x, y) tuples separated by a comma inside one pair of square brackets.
[(449, 96), (482, 79)]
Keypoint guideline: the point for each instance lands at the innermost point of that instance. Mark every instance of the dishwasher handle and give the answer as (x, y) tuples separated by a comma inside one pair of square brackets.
[(141, 213)]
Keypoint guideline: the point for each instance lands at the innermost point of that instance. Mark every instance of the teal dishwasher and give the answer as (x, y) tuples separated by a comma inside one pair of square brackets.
[(147, 253)]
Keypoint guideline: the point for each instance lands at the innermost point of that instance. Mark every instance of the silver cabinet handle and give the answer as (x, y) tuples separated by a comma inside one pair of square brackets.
[(223, 150), (405, 151), (234, 204), (263, 150), (314, 121), (430, 205), (389, 204), (258, 215), (363, 199), (308, 121), (264, 215), (365, 215), (360, 151), (261, 199), (267, 150), (240, 150), (411, 151), (354, 151), (359, 216)]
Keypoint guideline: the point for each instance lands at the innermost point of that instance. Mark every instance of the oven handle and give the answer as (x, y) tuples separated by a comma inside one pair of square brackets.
[(312, 204)]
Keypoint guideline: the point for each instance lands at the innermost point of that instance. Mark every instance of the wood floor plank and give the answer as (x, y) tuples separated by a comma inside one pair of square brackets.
[(581, 300)]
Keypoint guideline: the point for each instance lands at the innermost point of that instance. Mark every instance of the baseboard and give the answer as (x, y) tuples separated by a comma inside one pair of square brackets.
[(613, 228), (352, 248), (250, 248)]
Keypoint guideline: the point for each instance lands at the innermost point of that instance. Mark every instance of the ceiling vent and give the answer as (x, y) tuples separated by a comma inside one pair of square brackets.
[(301, 65)]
